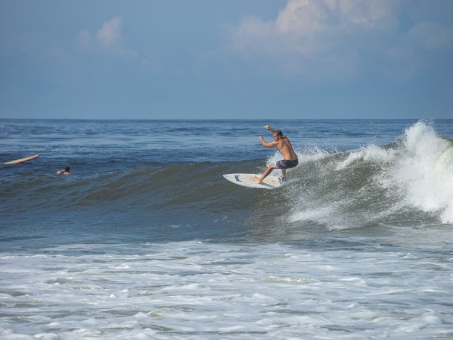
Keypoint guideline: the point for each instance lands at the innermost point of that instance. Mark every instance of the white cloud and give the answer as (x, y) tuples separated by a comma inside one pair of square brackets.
[(316, 37), (108, 38), (371, 14), (306, 21), (110, 33)]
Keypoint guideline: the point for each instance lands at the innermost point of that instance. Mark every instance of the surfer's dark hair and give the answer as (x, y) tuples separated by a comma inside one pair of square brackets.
[(279, 133), (66, 168)]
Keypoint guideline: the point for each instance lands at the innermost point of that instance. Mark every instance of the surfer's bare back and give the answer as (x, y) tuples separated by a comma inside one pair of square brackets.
[(283, 145)]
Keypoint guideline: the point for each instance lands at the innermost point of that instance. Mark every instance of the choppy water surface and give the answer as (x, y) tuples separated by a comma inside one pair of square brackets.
[(147, 240)]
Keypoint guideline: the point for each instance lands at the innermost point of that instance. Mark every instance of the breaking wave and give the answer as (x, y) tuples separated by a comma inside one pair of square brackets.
[(409, 180)]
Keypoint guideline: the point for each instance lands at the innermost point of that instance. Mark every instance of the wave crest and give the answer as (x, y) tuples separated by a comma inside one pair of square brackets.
[(409, 180)]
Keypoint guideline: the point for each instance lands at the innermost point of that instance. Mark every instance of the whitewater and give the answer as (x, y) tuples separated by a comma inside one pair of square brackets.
[(359, 246)]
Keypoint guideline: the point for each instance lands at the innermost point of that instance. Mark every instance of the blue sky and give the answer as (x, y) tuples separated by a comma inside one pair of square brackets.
[(254, 59)]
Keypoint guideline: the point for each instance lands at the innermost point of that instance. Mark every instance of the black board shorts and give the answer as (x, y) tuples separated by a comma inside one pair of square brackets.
[(287, 164)]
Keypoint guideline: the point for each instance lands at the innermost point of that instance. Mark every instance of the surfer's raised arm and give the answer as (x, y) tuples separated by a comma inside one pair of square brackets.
[(268, 127), (267, 144)]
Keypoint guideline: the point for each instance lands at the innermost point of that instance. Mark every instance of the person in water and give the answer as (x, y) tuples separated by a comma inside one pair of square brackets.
[(283, 144), (66, 171)]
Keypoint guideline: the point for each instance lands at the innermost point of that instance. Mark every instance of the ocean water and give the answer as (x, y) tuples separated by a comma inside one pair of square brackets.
[(147, 240)]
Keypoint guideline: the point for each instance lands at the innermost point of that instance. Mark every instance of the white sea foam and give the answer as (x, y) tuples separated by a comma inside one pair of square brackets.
[(371, 153), (321, 215), (195, 290), (423, 171)]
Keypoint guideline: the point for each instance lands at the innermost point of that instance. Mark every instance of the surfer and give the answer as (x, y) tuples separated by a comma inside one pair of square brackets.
[(283, 144), (65, 171)]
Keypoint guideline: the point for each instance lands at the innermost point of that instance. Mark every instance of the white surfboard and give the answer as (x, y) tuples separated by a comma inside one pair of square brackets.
[(246, 180)]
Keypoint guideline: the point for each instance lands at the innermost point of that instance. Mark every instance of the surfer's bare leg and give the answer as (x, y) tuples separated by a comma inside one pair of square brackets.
[(266, 173), (283, 174)]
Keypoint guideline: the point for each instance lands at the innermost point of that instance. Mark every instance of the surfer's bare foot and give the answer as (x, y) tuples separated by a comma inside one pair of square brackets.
[(257, 179)]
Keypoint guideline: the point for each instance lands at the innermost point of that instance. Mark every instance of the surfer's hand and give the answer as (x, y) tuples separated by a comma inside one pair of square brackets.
[(261, 138), (267, 127)]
